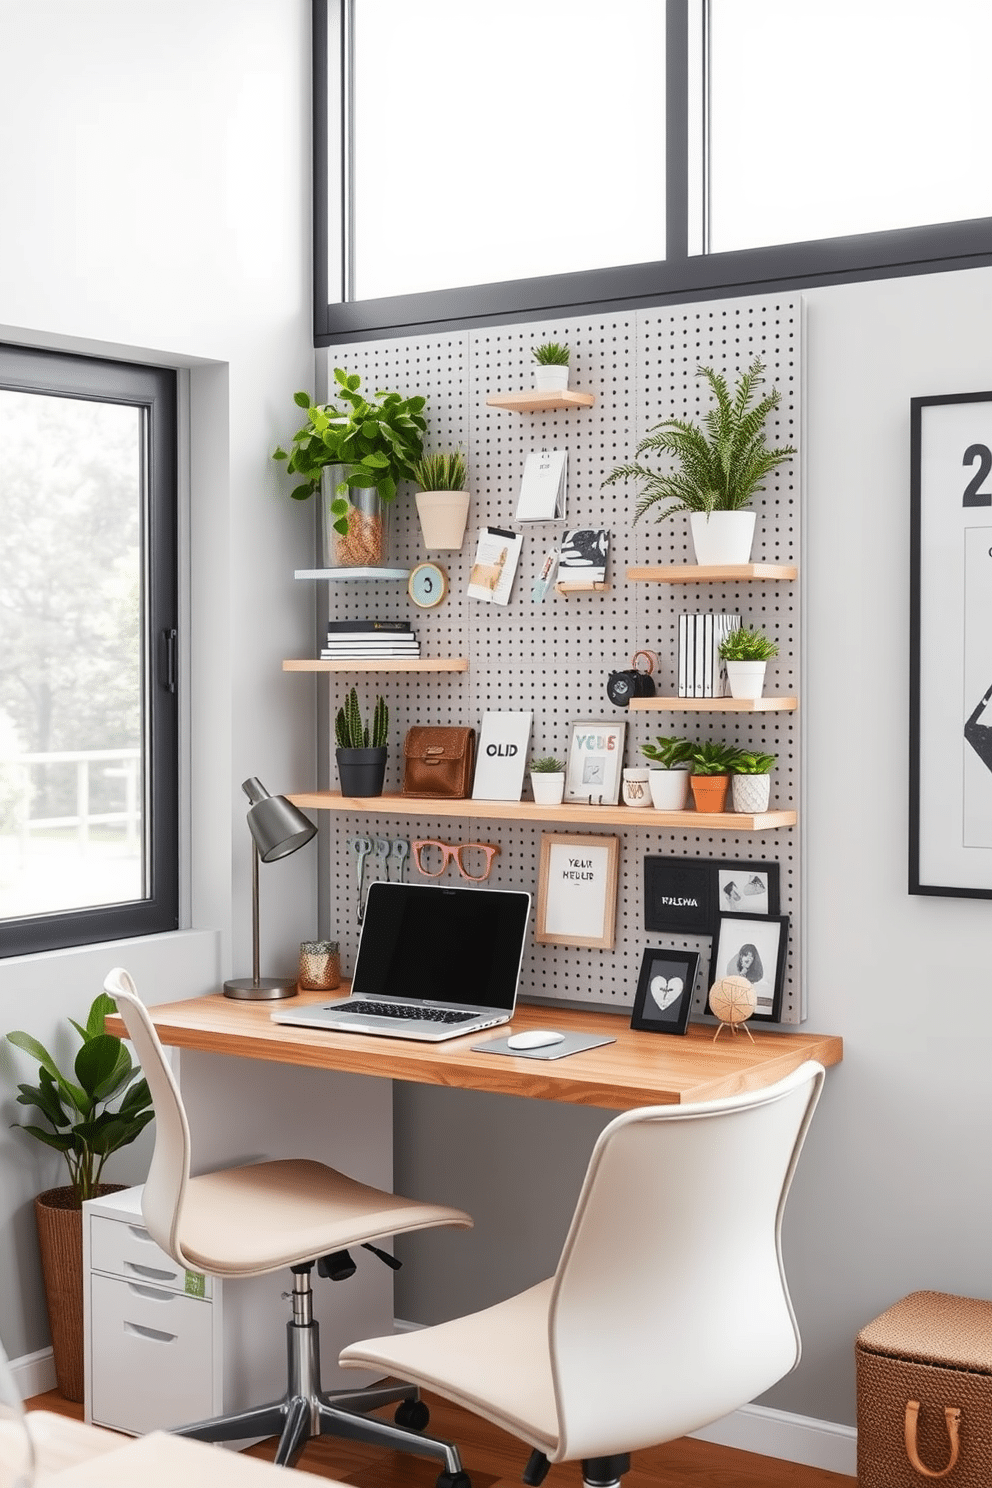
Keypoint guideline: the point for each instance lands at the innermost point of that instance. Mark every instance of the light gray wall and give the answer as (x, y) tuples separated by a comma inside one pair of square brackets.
[(155, 169)]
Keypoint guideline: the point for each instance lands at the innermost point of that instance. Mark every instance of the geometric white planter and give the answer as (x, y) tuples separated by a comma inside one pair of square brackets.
[(751, 793), (669, 788), (746, 678), (722, 536)]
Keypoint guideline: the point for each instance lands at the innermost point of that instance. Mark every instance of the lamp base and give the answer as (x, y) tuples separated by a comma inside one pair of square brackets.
[(266, 989)]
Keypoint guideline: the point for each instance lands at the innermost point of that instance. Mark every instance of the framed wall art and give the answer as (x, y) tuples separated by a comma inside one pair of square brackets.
[(950, 746), (595, 763), (753, 946), (577, 890), (746, 888), (678, 896), (664, 991)]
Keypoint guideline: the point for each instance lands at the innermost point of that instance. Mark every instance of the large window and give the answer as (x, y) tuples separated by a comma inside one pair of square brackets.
[(88, 629), (476, 163)]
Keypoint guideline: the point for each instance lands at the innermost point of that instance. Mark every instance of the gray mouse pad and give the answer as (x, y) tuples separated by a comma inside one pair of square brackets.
[(572, 1043)]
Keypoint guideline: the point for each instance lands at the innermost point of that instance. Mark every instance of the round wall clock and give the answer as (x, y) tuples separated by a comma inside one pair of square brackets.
[(428, 585)]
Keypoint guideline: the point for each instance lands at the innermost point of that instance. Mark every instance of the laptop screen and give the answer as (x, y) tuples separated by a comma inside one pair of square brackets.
[(461, 946)]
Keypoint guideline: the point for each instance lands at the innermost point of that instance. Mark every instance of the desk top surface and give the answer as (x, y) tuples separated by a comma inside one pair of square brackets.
[(639, 1069)]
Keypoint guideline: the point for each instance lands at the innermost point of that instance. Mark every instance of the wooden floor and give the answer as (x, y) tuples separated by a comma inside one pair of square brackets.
[(495, 1460)]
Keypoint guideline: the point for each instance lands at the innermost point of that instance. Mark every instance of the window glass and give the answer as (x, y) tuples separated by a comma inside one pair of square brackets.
[(853, 117), (505, 142)]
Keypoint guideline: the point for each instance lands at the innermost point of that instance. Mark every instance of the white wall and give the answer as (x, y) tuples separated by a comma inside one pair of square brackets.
[(155, 170)]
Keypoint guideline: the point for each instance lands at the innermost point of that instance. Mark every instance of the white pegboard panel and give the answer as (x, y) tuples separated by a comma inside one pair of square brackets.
[(554, 656)]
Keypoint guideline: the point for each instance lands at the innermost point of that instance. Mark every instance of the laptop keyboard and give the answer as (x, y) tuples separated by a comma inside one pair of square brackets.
[(397, 1010)]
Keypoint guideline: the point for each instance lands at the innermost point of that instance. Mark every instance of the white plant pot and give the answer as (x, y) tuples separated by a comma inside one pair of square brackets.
[(636, 789), (550, 379), (751, 793), (722, 537), (443, 515), (669, 788), (548, 788), (746, 678)]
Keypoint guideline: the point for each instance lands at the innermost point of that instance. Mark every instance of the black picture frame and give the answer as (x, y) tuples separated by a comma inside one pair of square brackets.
[(950, 684), (766, 937), (753, 889), (659, 968), (678, 896)]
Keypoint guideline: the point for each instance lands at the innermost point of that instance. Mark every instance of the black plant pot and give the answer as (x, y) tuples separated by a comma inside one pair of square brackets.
[(361, 771)]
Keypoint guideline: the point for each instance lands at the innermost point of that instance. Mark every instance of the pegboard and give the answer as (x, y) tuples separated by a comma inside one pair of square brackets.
[(554, 656)]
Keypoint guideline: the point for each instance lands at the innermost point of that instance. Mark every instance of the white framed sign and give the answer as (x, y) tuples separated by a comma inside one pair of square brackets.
[(595, 763), (577, 890), (501, 758), (951, 646)]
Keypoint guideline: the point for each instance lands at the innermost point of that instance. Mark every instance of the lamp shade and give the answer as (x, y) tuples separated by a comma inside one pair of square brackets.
[(276, 825)]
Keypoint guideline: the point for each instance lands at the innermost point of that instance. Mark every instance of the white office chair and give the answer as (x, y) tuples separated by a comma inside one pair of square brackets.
[(669, 1307), (250, 1220)]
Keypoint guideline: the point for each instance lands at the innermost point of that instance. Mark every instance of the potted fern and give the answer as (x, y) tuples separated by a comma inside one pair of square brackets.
[(668, 777), (750, 781), (547, 778), (354, 457), (361, 748), (442, 500), (551, 371), (747, 652), (720, 467), (89, 1114), (712, 767)]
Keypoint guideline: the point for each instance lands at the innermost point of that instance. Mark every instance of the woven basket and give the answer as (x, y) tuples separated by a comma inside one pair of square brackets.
[(60, 1235), (924, 1372)]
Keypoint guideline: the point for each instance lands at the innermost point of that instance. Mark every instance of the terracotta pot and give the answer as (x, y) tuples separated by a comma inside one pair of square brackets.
[(709, 791), (60, 1234)]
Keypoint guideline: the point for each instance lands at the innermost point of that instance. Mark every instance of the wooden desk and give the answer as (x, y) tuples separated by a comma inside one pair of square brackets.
[(639, 1069)]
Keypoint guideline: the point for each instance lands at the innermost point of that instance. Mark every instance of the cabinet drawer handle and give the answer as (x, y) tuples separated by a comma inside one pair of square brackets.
[(952, 1415), (140, 1233), (154, 1294), (152, 1273), (154, 1335)]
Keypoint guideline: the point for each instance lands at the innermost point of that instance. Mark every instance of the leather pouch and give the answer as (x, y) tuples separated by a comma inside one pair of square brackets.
[(438, 762)]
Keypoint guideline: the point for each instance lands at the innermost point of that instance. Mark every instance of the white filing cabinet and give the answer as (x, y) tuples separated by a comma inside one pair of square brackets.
[(163, 1346)]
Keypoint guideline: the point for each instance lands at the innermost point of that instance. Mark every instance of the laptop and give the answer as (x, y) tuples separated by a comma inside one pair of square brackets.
[(433, 963)]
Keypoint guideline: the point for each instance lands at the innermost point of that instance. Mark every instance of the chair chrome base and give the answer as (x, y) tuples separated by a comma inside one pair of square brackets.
[(305, 1411)]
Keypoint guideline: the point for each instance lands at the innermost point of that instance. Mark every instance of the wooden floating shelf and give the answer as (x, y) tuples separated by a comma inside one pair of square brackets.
[(385, 664), (713, 705), (535, 401), (608, 816), (352, 573), (711, 573), (579, 586)]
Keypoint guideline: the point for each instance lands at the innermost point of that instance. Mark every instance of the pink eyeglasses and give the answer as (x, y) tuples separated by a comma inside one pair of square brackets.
[(432, 858)]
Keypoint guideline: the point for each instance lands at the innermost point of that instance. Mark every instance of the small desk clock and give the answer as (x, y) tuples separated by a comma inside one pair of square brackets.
[(428, 585)]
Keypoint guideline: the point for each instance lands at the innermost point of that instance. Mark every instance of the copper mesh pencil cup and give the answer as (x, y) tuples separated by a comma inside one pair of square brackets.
[(320, 966)]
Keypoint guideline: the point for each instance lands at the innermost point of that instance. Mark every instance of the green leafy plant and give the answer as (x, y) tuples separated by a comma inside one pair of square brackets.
[(669, 752), (753, 764), (550, 354), (84, 1126), (747, 645), (711, 758), (441, 472), (547, 765), (351, 733), (375, 443), (720, 466)]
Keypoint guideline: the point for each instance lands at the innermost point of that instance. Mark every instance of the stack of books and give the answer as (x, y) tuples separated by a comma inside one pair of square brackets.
[(701, 671), (370, 640)]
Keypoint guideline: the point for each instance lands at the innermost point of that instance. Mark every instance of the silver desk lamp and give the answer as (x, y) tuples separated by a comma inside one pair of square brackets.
[(277, 829)]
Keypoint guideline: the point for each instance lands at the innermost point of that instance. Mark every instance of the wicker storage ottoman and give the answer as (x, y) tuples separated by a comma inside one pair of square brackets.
[(924, 1373)]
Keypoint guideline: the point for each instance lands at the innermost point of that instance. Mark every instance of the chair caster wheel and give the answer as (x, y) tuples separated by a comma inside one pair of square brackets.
[(414, 1416), (454, 1480)]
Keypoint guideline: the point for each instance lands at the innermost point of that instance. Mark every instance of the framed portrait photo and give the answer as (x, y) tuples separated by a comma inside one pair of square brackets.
[(595, 763), (745, 888), (577, 890), (754, 947), (664, 991), (950, 736), (679, 896)]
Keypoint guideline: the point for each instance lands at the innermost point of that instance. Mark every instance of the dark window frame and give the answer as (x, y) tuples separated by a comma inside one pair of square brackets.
[(680, 277), (155, 390)]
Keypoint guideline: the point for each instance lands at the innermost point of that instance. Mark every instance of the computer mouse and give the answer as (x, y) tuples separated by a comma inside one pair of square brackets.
[(534, 1038)]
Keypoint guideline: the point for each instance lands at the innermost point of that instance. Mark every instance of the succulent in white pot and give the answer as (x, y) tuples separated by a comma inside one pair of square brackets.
[(547, 779), (442, 500), (551, 371), (670, 768), (747, 653), (750, 782)]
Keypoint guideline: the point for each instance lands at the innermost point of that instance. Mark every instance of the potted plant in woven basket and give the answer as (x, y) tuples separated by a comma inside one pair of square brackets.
[(96, 1111), (361, 748)]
